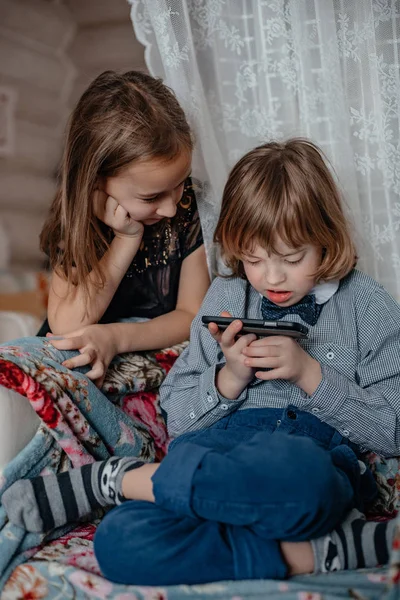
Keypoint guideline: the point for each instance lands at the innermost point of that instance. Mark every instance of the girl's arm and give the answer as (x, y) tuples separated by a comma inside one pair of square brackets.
[(173, 327), (367, 411), (66, 307), (98, 344)]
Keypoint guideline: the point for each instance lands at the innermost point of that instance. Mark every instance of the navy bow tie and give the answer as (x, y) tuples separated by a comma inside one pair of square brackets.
[(307, 309)]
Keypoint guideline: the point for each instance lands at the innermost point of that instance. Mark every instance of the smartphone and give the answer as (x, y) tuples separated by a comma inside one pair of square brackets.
[(260, 327)]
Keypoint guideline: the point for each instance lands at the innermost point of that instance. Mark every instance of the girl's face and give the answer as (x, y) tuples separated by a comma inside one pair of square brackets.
[(149, 190), (285, 276)]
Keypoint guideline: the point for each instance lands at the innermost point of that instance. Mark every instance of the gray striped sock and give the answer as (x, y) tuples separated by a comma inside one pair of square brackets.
[(355, 544), (43, 503)]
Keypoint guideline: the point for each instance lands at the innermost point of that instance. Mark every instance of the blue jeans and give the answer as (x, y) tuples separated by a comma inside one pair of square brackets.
[(225, 495)]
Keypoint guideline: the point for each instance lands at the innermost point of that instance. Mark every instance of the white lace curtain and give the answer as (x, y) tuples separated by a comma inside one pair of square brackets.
[(246, 71)]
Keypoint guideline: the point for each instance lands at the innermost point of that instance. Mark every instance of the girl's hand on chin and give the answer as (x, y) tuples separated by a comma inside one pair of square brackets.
[(107, 209)]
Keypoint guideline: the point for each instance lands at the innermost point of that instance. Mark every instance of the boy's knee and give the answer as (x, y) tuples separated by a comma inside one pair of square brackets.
[(311, 474), (133, 546), (118, 543), (325, 489)]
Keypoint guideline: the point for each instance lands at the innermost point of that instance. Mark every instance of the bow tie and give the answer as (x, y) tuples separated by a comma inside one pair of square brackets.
[(307, 309)]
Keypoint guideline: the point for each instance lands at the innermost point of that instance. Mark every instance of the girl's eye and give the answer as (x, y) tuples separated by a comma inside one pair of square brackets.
[(149, 200), (155, 198)]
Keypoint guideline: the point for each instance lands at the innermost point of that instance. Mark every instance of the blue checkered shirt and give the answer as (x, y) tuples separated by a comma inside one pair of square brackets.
[(356, 340)]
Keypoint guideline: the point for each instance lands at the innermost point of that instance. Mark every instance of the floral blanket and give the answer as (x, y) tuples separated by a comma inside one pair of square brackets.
[(81, 424)]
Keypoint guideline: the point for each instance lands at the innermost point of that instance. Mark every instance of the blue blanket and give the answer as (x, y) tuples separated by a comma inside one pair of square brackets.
[(81, 424)]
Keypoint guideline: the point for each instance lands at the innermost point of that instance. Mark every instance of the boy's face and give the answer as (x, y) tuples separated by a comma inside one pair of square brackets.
[(285, 276)]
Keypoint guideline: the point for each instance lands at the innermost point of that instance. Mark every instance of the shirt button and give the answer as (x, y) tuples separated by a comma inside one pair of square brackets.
[(224, 406), (192, 415), (315, 410), (209, 398), (363, 467), (330, 355), (346, 432)]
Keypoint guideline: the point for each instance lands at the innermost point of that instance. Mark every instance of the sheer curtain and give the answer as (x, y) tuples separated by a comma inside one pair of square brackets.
[(246, 71)]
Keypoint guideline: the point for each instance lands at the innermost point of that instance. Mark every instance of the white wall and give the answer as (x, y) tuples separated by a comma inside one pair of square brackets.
[(34, 37), (49, 51), (104, 40)]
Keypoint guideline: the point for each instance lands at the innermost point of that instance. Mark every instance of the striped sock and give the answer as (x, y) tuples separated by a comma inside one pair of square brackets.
[(42, 503), (355, 544)]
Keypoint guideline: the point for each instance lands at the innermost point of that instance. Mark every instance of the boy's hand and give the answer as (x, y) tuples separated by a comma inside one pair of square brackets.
[(97, 346), (235, 375), (286, 359), (115, 216)]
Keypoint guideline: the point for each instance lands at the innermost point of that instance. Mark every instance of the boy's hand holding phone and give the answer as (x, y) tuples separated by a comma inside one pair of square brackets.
[(235, 375), (285, 359), (281, 355)]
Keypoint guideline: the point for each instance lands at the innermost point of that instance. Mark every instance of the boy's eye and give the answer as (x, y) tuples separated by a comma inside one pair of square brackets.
[(252, 262), (294, 262)]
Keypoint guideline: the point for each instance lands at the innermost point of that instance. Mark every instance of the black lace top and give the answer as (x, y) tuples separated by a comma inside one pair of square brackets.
[(150, 285), (149, 288)]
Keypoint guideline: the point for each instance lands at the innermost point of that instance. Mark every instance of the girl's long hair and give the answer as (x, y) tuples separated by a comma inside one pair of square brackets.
[(120, 118)]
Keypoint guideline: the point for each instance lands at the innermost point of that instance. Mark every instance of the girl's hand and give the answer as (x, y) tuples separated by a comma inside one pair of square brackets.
[(115, 216), (233, 347), (286, 359), (97, 346)]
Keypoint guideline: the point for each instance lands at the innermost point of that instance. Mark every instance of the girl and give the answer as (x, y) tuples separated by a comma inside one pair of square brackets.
[(123, 235), (268, 432)]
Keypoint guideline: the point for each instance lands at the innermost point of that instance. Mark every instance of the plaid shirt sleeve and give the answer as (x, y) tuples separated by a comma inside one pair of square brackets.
[(367, 409), (189, 395)]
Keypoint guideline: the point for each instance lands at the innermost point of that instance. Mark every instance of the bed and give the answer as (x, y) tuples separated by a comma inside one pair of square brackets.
[(79, 424)]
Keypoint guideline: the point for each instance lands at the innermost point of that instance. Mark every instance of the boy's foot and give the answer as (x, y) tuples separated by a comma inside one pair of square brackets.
[(42, 503), (355, 544)]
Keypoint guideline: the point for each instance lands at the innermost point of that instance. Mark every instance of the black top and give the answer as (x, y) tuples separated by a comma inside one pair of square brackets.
[(149, 288)]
